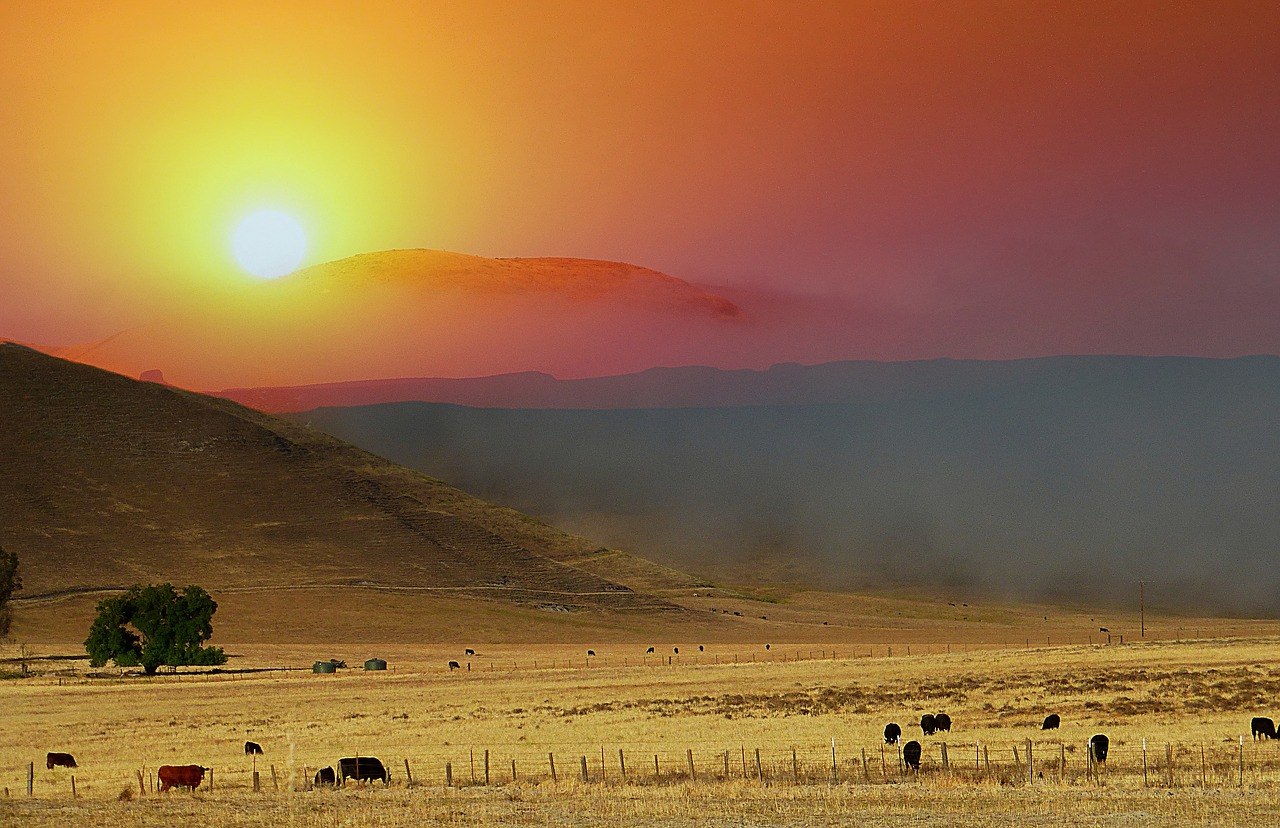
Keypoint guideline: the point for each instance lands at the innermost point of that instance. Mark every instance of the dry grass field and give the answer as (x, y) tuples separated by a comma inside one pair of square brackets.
[(1190, 699)]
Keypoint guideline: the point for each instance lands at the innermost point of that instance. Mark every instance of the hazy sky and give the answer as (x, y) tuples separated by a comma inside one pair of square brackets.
[(1004, 178)]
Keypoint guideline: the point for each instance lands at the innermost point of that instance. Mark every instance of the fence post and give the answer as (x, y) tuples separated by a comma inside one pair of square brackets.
[(1168, 755), (692, 774), (473, 766), (408, 774), (551, 757), (513, 770), (726, 766), (448, 774), (1062, 761), (585, 778), (884, 766), (795, 767), (211, 780), (744, 762), (622, 765), (257, 783), (1203, 783), (1031, 765), (656, 771), (31, 778), (486, 766), (835, 775), (275, 783), (73, 786), (946, 762), (1144, 761), (1242, 761), (142, 786), (986, 760), (866, 771)]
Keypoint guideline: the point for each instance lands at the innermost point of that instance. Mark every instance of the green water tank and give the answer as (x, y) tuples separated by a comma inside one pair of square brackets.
[(324, 667), (375, 664)]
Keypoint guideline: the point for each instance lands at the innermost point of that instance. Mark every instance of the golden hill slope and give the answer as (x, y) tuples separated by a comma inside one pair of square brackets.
[(109, 481)]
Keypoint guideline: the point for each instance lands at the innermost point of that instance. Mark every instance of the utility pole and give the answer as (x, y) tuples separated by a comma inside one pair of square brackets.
[(1142, 607)]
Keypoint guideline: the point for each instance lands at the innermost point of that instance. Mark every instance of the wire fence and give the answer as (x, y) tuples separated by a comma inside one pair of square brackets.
[(1028, 762)]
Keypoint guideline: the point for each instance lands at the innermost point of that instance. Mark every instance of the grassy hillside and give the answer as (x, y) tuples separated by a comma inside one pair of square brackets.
[(108, 481)]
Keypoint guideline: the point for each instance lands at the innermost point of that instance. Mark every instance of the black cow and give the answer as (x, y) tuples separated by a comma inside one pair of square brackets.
[(892, 734), (361, 768), (59, 760), (927, 724), (675, 650), (1263, 728), (767, 646), (252, 747), (326, 776), (700, 648), (453, 665), (1099, 744), (469, 651), (649, 650), (1051, 722), (911, 754), (591, 652), (942, 723)]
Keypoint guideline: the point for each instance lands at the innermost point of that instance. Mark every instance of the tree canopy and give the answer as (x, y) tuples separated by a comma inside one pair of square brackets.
[(154, 625), (9, 584)]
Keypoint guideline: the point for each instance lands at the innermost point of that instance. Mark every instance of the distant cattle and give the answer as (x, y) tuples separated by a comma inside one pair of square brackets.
[(180, 776), (591, 652), (767, 646), (942, 723), (1098, 746), (911, 754), (337, 662), (252, 747), (361, 768), (1262, 727), (326, 776), (649, 650), (700, 648), (1051, 722), (927, 724), (469, 651), (892, 734), (453, 665), (675, 650), (66, 760), (1103, 629)]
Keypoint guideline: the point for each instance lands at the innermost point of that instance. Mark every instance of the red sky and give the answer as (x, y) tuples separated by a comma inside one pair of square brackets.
[(990, 179)]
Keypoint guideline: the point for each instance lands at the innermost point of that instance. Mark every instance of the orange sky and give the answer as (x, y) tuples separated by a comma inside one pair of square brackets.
[(986, 179)]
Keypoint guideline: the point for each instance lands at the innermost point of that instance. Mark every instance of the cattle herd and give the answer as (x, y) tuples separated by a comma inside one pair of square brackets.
[(1099, 744)]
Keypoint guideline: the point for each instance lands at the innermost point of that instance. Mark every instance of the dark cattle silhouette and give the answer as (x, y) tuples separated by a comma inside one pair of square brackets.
[(1099, 744), (675, 650), (942, 723), (911, 754), (927, 724), (1103, 629), (591, 652), (468, 651), (180, 776), (649, 650), (252, 747), (361, 768), (1051, 722), (453, 665), (66, 760), (326, 776), (767, 646), (700, 649), (892, 734), (1263, 728)]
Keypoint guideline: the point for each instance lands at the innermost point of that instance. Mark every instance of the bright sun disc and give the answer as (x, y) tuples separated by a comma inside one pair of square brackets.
[(269, 244)]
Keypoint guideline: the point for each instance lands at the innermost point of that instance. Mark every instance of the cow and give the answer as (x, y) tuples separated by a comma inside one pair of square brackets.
[(892, 734), (180, 776), (453, 665), (66, 760), (468, 651), (361, 768), (326, 776), (700, 648), (1098, 745), (942, 723), (252, 748), (675, 650), (1263, 728), (648, 651), (927, 724), (911, 754), (591, 652), (1051, 722), (767, 646)]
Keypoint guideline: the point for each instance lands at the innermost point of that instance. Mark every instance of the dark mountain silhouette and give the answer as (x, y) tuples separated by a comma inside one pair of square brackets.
[(1070, 478), (109, 481)]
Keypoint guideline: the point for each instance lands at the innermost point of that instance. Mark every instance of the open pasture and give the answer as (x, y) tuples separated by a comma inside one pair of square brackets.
[(1190, 700)]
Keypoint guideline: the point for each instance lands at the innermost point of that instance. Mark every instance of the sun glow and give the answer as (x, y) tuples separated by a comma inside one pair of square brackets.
[(269, 243)]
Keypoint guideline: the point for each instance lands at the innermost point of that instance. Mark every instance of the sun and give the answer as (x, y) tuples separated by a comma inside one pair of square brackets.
[(269, 243)]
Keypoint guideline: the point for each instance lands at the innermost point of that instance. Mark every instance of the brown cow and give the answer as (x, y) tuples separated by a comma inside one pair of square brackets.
[(61, 760), (180, 776)]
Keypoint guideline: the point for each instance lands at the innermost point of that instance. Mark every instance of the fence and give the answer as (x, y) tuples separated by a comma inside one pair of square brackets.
[(1237, 763)]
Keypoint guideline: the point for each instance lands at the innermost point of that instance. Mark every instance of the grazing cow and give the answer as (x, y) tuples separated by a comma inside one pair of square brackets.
[(66, 760), (1051, 722), (1262, 727), (591, 652), (675, 650), (453, 665), (1103, 629), (892, 733), (767, 646), (326, 776), (927, 724), (942, 723), (911, 754), (649, 650), (180, 776), (468, 651), (252, 747), (1099, 744), (700, 648), (362, 768)]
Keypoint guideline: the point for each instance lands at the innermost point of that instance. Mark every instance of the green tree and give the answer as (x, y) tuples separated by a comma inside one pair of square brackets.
[(154, 625), (9, 584)]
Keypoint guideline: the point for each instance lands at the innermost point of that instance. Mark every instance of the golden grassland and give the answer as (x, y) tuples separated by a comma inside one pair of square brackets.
[(1190, 698)]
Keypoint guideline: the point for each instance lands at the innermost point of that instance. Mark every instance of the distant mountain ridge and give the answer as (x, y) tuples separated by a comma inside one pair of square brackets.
[(842, 382), (1069, 478)]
